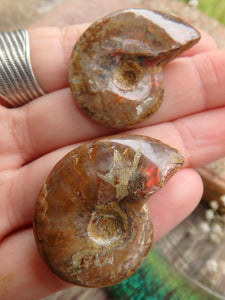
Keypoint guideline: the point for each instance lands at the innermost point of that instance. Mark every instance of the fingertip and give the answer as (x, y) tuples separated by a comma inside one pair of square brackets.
[(175, 201), (206, 43)]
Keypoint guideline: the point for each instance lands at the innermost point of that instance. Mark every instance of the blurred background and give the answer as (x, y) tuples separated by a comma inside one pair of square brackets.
[(213, 8), (22, 13), (205, 14)]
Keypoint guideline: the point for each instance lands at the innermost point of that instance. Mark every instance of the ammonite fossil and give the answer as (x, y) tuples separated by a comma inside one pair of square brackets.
[(91, 223), (115, 71)]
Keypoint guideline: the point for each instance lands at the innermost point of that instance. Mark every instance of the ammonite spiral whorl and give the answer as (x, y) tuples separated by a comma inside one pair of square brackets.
[(91, 223), (115, 71)]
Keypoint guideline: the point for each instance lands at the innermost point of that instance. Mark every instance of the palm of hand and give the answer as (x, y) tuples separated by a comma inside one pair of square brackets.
[(34, 137)]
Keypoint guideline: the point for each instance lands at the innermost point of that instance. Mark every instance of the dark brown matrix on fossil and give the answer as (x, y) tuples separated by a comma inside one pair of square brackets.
[(115, 71), (91, 223)]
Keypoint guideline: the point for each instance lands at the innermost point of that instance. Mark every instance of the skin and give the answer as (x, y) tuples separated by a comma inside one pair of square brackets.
[(35, 136)]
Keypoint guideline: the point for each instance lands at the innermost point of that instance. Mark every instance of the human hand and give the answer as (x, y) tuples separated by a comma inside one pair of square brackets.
[(35, 136)]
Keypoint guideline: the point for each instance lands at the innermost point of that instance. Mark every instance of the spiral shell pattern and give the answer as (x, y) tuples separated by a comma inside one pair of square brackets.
[(115, 71), (91, 223)]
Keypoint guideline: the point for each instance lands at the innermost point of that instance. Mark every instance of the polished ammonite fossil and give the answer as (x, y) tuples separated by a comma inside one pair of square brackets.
[(115, 71), (91, 223)]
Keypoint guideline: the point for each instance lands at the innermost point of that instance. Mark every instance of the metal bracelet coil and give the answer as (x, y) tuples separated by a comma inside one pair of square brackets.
[(18, 85)]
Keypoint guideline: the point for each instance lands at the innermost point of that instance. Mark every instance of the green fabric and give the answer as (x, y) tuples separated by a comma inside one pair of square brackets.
[(156, 279)]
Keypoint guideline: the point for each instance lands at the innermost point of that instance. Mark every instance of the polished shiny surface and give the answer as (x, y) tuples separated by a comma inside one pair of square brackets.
[(91, 222), (115, 71)]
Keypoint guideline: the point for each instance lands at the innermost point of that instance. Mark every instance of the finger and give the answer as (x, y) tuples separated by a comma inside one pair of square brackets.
[(191, 85), (172, 204), (200, 138), (23, 271), (62, 124), (168, 207), (207, 43), (51, 49)]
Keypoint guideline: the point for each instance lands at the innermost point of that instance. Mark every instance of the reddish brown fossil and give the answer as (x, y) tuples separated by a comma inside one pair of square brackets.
[(91, 223), (115, 71)]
